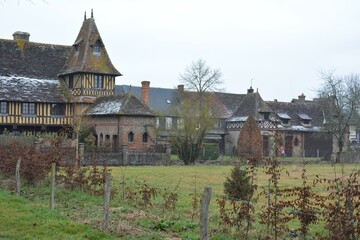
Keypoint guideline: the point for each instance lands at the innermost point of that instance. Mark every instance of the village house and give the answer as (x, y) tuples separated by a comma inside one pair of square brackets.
[(47, 87)]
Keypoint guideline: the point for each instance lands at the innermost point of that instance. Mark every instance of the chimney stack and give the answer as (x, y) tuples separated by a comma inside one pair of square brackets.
[(250, 90), (145, 92), (181, 88), (301, 98), (21, 36)]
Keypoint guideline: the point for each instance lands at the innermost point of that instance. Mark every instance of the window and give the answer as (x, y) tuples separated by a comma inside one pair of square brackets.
[(284, 121), (168, 122), (28, 109), (160, 122), (71, 81), (3, 108), (131, 137), (145, 137), (98, 81), (76, 47), (58, 109), (266, 115), (97, 48)]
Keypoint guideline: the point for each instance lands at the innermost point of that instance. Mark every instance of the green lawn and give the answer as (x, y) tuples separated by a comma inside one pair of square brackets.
[(21, 220)]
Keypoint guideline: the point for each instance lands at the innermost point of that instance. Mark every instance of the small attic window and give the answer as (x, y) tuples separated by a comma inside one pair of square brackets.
[(284, 118), (76, 47), (305, 119), (266, 115), (97, 48)]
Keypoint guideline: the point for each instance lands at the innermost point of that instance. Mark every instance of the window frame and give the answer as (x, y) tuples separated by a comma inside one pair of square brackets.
[(28, 109), (4, 108), (58, 110), (98, 81)]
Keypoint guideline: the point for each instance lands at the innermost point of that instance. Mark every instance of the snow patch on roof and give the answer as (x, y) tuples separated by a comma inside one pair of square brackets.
[(300, 128), (104, 108), (283, 116), (17, 88), (238, 119)]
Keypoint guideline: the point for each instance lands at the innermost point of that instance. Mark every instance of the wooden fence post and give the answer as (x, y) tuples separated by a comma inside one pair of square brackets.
[(268, 206), (52, 186), (204, 213), (17, 176), (107, 200)]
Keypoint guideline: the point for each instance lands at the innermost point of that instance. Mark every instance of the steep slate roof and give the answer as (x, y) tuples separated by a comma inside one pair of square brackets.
[(24, 89), (161, 99), (252, 104), (124, 104), (32, 60), (214, 102), (296, 110), (85, 60), (231, 100)]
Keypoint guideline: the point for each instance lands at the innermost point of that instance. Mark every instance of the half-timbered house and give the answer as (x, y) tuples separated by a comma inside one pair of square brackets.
[(47, 87)]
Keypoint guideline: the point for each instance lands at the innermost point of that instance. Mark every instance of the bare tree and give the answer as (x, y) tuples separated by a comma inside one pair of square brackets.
[(195, 113), (343, 94), (195, 120), (201, 78)]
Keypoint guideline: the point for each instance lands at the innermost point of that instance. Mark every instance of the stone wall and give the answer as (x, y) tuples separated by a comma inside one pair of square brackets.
[(127, 159)]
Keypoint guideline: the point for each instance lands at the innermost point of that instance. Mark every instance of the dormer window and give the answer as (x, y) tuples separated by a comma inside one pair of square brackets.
[(97, 48), (76, 47), (266, 115), (305, 119), (284, 118)]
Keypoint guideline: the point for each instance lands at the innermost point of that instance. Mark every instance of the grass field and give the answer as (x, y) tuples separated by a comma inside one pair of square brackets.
[(137, 221)]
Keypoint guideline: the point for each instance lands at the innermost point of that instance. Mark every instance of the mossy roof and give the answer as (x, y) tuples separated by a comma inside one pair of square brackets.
[(82, 58)]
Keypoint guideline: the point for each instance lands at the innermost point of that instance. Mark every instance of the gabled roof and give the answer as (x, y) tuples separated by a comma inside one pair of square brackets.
[(252, 104), (124, 104), (31, 60), (84, 60), (161, 99), (23, 89), (212, 99), (231, 100)]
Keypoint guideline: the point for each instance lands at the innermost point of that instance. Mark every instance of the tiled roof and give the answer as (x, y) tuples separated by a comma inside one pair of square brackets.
[(32, 60), (231, 100), (84, 60), (124, 104), (24, 89)]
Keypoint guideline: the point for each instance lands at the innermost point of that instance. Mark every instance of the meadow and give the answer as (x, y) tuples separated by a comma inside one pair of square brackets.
[(138, 209)]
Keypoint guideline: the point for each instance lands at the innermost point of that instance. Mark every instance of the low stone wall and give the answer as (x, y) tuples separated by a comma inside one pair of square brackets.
[(130, 159)]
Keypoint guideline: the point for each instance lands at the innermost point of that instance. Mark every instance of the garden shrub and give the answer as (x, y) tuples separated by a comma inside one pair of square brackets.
[(211, 151), (238, 185)]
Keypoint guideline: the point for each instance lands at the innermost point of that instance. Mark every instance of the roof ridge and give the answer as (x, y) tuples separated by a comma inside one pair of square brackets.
[(35, 43)]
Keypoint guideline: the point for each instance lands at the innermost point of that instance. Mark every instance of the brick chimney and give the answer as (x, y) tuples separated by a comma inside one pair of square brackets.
[(250, 90), (21, 36), (145, 92), (301, 98), (181, 88)]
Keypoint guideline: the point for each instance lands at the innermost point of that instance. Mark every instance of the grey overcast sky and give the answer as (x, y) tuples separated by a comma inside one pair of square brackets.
[(282, 45)]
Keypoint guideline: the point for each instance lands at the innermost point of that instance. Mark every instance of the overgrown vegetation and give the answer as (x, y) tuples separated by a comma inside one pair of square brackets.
[(160, 202)]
